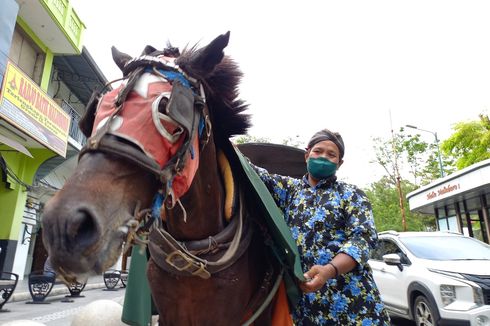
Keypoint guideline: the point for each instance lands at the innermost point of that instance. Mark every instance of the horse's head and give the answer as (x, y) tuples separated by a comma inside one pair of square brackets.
[(146, 137)]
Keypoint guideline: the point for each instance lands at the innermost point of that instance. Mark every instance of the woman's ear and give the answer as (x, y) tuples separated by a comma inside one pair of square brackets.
[(306, 155), (340, 163)]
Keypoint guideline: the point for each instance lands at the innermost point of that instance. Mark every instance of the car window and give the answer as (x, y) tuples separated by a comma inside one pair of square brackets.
[(385, 247), (447, 247), (376, 253)]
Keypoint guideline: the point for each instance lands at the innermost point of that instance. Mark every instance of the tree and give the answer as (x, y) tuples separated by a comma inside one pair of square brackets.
[(244, 139), (294, 142), (413, 156), (470, 143), (289, 141), (384, 198), (392, 155)]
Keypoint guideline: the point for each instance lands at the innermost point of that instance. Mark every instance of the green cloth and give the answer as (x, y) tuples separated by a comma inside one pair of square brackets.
[(137, 302), (284, 245)]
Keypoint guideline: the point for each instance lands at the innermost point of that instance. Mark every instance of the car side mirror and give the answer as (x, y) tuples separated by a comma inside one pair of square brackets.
[(394, 260)]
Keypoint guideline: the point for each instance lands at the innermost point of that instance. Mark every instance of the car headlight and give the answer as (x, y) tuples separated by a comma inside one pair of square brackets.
[(448, 294)]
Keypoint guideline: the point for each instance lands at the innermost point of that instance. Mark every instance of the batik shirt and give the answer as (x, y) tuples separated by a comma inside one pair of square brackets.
[(331, 218)]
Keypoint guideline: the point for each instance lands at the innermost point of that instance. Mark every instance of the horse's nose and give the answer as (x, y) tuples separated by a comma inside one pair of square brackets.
[(82, 230)]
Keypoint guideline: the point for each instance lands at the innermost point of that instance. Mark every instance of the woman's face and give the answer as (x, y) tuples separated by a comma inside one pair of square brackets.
[(326, 149)]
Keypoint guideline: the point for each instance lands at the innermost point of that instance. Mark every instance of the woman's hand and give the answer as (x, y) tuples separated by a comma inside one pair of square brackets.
[(316, 278)]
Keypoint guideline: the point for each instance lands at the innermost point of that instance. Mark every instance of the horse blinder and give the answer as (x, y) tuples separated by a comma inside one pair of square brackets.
[(180, 107)]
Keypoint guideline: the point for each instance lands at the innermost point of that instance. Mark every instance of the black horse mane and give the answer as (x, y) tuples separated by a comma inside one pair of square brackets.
[(221, 88)]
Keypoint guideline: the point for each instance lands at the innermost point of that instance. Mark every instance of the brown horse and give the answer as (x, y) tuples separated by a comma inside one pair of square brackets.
[(163, 136)]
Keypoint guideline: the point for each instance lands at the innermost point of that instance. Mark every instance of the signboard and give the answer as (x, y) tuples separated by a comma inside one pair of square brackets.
[(460, 183), (29, 108)]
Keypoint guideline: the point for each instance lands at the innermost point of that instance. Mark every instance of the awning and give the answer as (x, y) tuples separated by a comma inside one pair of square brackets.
[(15, 145)]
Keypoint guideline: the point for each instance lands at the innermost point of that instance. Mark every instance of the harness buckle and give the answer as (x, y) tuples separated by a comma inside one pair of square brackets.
[(186, 263)]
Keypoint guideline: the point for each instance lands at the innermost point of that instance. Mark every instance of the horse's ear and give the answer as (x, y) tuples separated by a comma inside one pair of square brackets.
[(120, 58), (86, 123), (148, 49), (204, 60)]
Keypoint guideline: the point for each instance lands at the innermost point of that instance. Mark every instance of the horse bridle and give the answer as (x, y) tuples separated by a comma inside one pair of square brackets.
[(187, 93)]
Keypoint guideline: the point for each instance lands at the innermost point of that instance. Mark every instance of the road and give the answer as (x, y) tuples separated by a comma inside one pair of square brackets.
[(401, 322), (56, 312)]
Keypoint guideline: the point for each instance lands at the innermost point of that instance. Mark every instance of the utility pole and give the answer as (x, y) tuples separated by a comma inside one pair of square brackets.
[(398, 178)]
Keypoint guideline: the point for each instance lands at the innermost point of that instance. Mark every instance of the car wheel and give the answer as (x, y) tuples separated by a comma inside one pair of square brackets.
[(424, 312)]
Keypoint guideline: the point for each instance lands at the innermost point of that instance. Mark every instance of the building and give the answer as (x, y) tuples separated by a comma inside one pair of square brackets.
[(46, 78), (460, 201)]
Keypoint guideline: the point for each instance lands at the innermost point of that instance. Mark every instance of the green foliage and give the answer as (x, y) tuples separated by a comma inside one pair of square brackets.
[(470, 143), (294, 142), (244, 139), (384, 198), (408, 153)]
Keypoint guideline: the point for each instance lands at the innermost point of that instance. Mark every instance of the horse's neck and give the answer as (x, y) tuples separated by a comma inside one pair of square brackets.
[(203, 202)]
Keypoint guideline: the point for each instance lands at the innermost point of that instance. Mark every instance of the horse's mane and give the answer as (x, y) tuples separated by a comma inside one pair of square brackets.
[(221, 87)]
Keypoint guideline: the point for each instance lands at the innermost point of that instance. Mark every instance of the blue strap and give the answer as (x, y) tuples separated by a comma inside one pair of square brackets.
[(157, 204), (172, 75), (202, 124)]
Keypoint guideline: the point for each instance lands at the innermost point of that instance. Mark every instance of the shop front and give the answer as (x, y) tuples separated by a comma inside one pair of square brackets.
[(460, 201)]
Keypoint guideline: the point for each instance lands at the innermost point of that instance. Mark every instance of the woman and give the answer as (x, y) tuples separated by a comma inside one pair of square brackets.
[(333, 225)]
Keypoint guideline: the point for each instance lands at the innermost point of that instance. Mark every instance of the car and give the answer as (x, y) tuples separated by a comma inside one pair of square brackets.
[(433, 278)]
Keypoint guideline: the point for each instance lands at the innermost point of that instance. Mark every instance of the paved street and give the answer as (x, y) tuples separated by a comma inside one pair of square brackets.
[(56, 312), (59, 313)]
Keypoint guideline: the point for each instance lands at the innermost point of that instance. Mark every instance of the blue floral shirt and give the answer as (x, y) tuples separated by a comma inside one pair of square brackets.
[(332, 217)]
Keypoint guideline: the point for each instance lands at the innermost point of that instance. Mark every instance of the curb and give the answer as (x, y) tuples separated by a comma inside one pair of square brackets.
[(26, 296)]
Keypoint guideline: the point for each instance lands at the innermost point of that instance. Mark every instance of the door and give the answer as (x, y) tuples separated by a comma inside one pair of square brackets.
[(389, 279)]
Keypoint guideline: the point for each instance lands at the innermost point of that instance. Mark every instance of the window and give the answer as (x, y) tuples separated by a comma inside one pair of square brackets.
[(447, 248), (473, 203), (442, 224), (386, 247), (26, 55), (453, 224)]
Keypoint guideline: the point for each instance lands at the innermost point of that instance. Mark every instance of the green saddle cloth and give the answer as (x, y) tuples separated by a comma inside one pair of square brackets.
[(137, 307)]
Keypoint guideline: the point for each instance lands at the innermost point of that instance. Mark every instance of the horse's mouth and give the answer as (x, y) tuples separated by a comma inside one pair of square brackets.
[(73, 264)]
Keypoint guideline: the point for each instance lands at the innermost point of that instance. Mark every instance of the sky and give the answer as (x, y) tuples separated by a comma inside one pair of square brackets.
[(361, 68)]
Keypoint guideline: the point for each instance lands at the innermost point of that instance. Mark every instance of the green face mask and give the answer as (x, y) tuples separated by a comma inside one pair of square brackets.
[(320, 167)]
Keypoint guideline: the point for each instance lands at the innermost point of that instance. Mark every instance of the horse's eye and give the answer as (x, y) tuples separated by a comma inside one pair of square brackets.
[(162, 106)]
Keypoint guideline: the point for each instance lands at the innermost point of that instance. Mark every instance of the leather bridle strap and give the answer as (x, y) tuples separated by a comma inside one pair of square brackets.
[(174, 257), (110, 145)]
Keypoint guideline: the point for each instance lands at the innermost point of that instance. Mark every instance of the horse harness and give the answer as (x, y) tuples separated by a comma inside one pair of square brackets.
[(186, 108)]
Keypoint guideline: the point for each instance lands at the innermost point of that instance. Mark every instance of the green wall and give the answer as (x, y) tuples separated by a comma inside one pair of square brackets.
[(13, 196)]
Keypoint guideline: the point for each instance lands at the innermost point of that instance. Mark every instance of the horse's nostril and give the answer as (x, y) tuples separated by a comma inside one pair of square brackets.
[(82, 230)]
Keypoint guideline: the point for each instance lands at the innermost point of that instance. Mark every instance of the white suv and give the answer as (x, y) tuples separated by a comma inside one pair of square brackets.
[(433, 278)]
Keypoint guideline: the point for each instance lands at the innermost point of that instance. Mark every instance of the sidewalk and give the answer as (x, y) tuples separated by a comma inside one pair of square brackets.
[(22, 293)]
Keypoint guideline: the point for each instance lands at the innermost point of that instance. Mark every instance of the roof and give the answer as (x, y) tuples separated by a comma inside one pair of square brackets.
[(80, 73), (467, 183)]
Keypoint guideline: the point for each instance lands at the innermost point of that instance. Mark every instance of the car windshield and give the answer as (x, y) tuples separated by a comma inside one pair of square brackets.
[(447, 248)]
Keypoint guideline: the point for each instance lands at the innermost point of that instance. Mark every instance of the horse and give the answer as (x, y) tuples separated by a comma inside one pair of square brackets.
[(157, 166)]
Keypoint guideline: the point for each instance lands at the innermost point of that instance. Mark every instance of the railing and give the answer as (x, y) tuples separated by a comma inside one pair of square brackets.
[(67, 18), (74, 131)]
